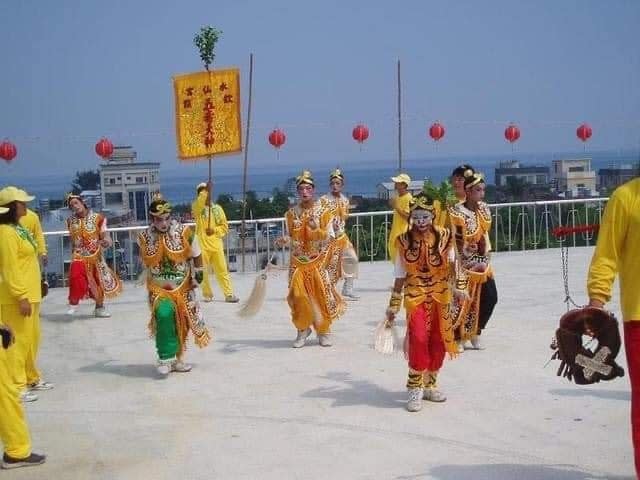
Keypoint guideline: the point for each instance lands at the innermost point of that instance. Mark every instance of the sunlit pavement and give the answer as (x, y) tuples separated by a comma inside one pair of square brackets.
[(255, 408)]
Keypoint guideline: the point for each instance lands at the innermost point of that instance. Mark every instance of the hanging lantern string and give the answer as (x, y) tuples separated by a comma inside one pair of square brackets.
[(378, 122)]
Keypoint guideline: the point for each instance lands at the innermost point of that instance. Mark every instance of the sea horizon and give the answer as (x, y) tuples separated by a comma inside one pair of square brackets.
[(178, 184)]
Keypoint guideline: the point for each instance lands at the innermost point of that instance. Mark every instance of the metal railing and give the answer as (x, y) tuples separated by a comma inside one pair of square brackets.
[(516, 226)]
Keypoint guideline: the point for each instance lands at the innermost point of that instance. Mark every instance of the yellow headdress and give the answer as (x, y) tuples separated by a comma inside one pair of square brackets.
[(472, 178), (159, 206), (337, 173), (423, 202), (305, 178)]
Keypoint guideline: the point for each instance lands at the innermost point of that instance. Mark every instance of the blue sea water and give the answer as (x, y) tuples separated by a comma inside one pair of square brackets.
[(178, 185)]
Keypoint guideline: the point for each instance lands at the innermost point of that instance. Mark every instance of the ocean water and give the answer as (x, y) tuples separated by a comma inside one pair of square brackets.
[(178, 186)]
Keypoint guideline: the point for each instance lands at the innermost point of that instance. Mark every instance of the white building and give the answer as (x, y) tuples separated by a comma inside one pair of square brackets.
[(128, 186), (574, 177)]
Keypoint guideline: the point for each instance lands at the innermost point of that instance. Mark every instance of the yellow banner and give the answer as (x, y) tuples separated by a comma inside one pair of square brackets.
[(208, 113)]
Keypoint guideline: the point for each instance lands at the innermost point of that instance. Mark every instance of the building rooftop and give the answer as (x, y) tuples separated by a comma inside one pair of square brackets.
[(253, 407)]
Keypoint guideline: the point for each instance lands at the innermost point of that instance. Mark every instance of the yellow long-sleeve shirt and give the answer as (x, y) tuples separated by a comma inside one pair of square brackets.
[(400, 222), (219, 224), (19, 267), (32, 223), (618, 251)]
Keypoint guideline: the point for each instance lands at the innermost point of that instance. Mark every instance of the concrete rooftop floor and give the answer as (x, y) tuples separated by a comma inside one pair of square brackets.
[(254, 408)]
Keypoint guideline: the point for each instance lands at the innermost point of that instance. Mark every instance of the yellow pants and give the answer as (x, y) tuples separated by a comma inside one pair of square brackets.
[(14, 433), (216, 261), (23, 354)]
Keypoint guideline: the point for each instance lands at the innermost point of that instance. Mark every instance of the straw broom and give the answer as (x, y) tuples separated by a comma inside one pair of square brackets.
[(258, 293), (386, 339)]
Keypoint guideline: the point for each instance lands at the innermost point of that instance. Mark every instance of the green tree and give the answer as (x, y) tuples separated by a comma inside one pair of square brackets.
[(85, 180), (206, 42)]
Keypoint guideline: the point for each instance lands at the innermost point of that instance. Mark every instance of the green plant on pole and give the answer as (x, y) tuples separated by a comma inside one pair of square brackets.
[(206, 42)]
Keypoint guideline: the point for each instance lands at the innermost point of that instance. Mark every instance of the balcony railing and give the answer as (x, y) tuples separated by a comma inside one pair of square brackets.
[(516, 226)]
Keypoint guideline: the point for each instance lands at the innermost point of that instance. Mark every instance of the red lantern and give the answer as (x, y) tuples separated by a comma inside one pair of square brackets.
[(512, 133), (8, 150), (104, 148), (360, 133), (277, 138), (436, 131), (584, 132)]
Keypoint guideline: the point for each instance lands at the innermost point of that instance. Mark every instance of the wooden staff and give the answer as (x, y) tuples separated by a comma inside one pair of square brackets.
[(246, 163), (209, 230)]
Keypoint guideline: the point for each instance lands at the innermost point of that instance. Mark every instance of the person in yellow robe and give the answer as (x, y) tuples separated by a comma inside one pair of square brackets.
[(31, 222), (400, 205), (14, 432), (312, 298), (210, 235), (617, 253), (20, 291)]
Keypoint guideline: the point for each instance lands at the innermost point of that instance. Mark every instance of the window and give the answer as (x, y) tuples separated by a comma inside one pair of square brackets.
[(113, 198), (139, 180), (112, 181), (576, 169)]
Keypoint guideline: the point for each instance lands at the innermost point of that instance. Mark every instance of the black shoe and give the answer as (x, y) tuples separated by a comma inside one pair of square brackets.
[(31, 461)]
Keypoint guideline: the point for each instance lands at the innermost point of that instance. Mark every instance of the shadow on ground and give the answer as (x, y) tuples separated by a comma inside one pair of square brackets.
[(147, 370), (356, 392), (235, 346), (511, 472), (624, 395)]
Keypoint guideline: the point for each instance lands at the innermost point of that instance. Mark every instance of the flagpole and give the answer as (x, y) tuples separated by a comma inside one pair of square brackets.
[(243, 229)]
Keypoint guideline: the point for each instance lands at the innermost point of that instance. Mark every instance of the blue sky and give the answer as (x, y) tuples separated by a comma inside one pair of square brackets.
[(74, 71)]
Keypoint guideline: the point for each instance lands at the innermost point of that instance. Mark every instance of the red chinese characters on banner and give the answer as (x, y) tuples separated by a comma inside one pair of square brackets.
[(208, 113)]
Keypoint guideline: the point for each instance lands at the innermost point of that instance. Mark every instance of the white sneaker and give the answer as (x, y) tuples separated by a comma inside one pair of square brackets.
[(164, 369), (347, 290), (28, 396), (301, 338), (207, 299), (181, 367), (477, 343), (101, 312), (324, 339), (41, 385), (71, 311), (414, 401), (434, 395), (460, 345)]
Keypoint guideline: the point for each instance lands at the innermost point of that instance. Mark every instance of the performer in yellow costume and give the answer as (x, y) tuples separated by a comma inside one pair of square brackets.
[(312, 297), (343, 262), (31, 222), (471, 222), (89, 274), (14, 433), (20, 292), (211, 242), (423, 268), (400, 205), (171, 254)]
